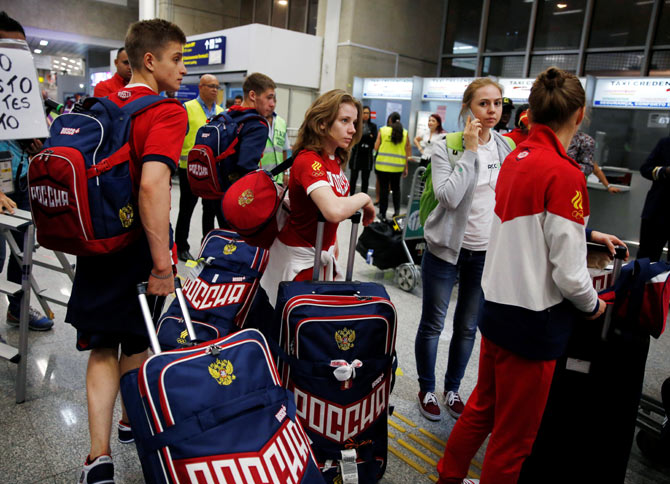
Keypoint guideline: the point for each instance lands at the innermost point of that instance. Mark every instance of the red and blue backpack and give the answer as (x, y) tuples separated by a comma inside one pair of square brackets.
[(211, 166), (82, 187)]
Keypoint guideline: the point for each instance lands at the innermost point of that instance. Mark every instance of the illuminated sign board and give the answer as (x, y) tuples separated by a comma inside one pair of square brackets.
[(393, 88), (632, 92), (518, 89), (205, 52), (444, 88)]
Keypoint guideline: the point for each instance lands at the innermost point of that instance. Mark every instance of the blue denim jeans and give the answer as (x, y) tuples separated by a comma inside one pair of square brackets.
[(438, 279)]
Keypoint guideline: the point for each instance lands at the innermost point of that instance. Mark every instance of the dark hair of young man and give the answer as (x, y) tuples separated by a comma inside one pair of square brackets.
[(8, 24), (118, 52), (257, 82), (150, 36)]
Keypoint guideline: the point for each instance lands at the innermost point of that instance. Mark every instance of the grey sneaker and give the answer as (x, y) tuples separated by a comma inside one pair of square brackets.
[(100, 471)]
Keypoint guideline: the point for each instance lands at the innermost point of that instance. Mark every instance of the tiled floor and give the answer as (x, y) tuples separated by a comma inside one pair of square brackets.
[(45, 439)]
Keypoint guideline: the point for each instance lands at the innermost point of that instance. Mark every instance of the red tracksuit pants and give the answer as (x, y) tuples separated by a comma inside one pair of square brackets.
[(507, 402)]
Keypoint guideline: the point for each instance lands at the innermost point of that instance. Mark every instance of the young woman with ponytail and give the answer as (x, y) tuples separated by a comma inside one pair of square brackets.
[(535, 285)]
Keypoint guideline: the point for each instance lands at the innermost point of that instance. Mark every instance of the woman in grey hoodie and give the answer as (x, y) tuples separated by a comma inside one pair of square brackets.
[(464, 174)]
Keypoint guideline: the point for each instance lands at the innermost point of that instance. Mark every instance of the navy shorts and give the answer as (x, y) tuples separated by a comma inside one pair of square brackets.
[(131, 344)]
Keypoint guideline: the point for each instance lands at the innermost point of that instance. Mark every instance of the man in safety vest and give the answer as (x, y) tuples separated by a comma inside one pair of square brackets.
[(199, 111), (276, 146)]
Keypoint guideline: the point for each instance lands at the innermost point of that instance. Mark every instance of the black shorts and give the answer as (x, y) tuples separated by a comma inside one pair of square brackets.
[(131, 344)]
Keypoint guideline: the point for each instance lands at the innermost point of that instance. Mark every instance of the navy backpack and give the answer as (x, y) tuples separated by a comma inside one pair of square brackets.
[(82, 190)]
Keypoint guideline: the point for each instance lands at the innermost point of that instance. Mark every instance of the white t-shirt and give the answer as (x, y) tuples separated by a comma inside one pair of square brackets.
[(429, 143), (478, 228)]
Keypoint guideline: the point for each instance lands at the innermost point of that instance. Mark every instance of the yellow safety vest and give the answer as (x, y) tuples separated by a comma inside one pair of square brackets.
[(391, 157), (196, 118), (273, 154)]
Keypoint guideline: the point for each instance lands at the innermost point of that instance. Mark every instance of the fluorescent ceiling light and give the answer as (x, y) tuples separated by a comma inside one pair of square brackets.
[(64, 58), (44, 42), (561, 5), (37, 51), (283, 3), (568, 12)]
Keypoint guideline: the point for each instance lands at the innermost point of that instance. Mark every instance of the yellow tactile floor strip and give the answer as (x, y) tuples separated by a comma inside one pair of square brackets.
[(407, 452), (426, 444), (418, 453), (397, 427), (404, 419), (407, 461)]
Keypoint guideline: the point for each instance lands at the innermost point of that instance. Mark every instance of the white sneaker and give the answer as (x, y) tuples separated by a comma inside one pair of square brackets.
[(470, 481)]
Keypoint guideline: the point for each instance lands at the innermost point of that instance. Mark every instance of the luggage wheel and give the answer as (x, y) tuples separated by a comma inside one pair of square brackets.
[(408, 276)]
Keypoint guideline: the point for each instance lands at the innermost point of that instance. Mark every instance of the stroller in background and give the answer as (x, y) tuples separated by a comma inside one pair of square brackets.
[(398, 243)]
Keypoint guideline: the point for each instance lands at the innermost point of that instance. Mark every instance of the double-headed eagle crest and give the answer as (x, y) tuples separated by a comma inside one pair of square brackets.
[(345, 338), (222, 372)]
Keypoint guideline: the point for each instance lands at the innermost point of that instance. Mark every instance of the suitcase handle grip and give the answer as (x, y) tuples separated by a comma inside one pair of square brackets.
[(148, 319), (321, 222)]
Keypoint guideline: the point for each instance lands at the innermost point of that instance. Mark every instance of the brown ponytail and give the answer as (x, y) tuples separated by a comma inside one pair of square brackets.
[(554, 97)]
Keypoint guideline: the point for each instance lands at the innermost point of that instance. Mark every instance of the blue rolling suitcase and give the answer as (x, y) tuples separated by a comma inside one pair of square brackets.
[(216, 413), (337, 355), (221, 294)]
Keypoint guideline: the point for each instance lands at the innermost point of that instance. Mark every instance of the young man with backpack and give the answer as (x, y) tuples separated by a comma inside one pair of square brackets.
[(259, 98), (103, 306)]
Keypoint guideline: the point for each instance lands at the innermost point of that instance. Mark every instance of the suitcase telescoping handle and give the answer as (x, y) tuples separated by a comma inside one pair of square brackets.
[(148, 320), (619, 256), (321, 224)]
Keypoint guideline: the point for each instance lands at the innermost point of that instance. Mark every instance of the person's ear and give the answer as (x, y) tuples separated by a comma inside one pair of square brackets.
[(149, 61), (580, 116), (252, 96)]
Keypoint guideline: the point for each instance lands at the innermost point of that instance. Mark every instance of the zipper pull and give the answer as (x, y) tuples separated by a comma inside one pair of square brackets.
[(363, 298), (213, 350)]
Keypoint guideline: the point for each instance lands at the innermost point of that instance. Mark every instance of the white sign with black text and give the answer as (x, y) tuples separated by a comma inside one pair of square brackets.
[(21, 111)]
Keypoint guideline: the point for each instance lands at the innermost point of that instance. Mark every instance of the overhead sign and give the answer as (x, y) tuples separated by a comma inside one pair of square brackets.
[(205, 52), (518, 89), (187, 92), (632, 92), (444, 88), (21, 110), (388, 88)]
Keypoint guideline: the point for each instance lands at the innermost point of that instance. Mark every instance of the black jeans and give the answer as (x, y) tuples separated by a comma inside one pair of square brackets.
[(386, 179), (365, 180), (187, 202), (654, 235)]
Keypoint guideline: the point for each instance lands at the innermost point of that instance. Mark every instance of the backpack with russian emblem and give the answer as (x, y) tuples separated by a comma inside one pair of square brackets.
[(211, 167), (82, 186)]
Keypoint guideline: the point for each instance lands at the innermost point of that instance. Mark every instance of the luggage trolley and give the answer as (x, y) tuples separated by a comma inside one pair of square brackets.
[(408, 274)]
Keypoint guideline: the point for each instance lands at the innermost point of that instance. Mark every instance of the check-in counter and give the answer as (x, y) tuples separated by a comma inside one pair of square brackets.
[(618, 213)]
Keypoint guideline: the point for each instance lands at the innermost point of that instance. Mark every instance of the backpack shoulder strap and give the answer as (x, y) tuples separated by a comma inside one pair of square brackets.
[(455, 141), (510, 142), (145, 102)]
